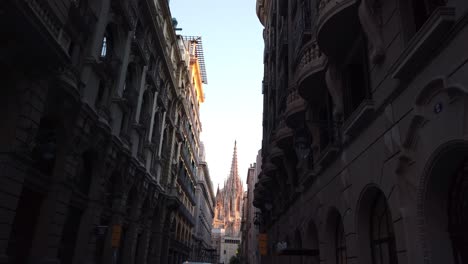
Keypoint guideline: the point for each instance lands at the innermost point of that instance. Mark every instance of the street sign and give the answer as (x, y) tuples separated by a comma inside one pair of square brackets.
[(116, 234)]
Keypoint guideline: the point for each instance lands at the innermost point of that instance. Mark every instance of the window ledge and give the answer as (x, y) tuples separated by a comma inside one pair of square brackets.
[(358, 119), (426, 40)]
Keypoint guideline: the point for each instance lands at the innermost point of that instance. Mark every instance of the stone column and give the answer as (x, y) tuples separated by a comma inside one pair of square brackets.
[(132, 234), (17, 135), (54, 210), (123, 68), (142, 252), (166, 237), (161, 138), (140, 95), (370, 24), (93, 48), (86, 238), (333, 80), (157, 235), (118, 207), (153, 113)]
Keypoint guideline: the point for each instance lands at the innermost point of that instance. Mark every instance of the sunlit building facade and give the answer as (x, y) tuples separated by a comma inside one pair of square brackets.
[(364, 131), (99, 133), (228, 214)]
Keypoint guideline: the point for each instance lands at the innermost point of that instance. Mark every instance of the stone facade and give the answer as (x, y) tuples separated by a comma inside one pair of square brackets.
[(98, 147), (203, 251), (364, 137), (250, 250)]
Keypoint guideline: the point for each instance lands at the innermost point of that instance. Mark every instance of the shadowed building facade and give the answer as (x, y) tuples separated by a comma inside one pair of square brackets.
[(99, 134), (251, 216), (364, 131)]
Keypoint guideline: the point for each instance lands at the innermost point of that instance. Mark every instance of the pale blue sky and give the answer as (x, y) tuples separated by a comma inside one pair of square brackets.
[(233, 48)]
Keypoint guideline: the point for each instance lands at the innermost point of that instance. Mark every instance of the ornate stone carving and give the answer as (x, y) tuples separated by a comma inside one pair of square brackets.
[(334, 86), (368, 17)]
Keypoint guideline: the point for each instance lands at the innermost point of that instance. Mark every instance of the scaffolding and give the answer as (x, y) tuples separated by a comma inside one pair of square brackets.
[(198, 54)]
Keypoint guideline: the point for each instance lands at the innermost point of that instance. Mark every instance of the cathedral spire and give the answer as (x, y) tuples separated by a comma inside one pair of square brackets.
[(231, 196), (234, 175)]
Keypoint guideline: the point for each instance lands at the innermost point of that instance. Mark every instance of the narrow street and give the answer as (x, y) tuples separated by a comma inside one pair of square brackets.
[(242, 132)]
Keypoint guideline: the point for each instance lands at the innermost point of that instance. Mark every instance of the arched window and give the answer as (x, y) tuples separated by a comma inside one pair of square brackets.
[(340, 242), (107, 44), (458, 215), (104, 47), (383, 246)]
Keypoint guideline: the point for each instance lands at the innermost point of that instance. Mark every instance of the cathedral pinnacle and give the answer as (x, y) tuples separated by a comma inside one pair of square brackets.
[(228, 210), (234, 172)]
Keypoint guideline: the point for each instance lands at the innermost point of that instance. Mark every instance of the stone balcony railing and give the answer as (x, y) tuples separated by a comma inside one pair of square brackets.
[(310, 69), (276, 153), (284, 134), (309, 55)]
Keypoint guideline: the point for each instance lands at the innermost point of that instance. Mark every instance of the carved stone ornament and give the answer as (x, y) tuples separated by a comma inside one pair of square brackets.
[(370, 24), (334, 86)]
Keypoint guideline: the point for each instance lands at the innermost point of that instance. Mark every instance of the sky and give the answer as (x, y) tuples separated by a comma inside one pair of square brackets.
[(233, 49)]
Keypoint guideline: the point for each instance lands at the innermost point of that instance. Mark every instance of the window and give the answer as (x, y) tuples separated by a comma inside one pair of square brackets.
[(104, 47), (340, 242), (383, 246), (458, 215)]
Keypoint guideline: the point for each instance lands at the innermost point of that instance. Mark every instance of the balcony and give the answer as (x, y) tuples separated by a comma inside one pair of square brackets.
[(310, 70), (260, 195), (269, 168), (337, 21), (37, 31), (276, 154), (265, 180), (284, 135), (295, 109)]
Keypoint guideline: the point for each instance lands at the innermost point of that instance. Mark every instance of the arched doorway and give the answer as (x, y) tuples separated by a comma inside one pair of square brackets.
[(336, 250), (377, 242), (445, 208), (311, 242)]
